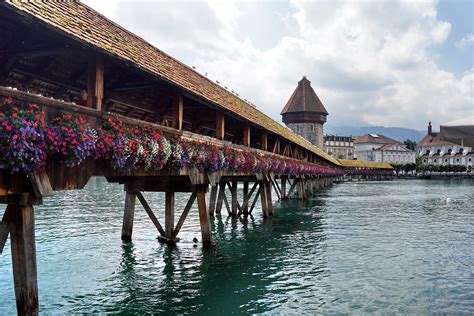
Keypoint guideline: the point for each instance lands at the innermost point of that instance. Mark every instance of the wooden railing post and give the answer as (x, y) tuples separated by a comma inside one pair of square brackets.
[(246, 138), (178, 105), (128, 216), (95, 81), (220, 126), (22, 235), (264, 141)]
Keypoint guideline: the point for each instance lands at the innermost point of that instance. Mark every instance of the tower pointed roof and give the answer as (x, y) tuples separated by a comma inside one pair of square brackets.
[(304, 99)]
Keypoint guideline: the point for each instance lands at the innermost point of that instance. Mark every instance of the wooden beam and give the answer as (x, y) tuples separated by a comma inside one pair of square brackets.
[(183, 216), (169, 214), (276, 147), (128, 216), (233, 191), (254, 202), (264, 141), (203, 214), (150, 213), (264, 200), (22, 230), (268, 195), (213, 199), (220, 197), (95, 81), (177, 120), (220, 127), (4, 230), (245, 203), (246, 138)]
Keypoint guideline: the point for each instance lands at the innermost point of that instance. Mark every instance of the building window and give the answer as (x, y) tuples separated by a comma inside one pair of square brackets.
[(435, 160), (446, 160), (457, 160), (424, 160), (469, 159), (427, 151), (312, 128)]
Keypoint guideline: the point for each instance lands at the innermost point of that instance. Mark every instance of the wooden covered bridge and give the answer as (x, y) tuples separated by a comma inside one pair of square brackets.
[(82, 97)]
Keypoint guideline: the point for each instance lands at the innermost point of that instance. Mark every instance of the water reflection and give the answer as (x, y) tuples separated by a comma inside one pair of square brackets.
[(381, 247)]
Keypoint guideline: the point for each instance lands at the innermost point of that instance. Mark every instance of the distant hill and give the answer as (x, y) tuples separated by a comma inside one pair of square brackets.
[(399, 133)]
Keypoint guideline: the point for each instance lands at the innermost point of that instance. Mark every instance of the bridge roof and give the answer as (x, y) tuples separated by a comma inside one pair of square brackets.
[(364, 164), (85, 25)]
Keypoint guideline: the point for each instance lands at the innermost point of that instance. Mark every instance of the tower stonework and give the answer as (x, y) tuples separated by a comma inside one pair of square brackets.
[(305, 114)]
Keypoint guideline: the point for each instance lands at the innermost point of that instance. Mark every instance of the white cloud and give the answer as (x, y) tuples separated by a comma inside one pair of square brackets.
[(369, 61), (466, 41)]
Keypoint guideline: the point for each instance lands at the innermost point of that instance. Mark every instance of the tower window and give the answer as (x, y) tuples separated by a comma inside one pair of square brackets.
[(312, 128)]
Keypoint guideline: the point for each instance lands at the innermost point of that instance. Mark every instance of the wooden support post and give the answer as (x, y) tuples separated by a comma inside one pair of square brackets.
[(22, 235), (203, 214), (292, 187), (300, 188), (283, 188), (220, 127), (95, 81), (268, 195), (177, 119), (212, 200), (169, 214), (276, 147), (220, 197), (246, 139), (264, 199), (128, 215), (233, 191), (264, 141), (245, 203)]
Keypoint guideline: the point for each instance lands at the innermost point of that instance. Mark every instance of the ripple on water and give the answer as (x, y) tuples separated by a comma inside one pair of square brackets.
[(365, 247)]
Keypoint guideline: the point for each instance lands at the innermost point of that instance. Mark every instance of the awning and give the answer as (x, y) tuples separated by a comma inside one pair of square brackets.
[(460, 131)]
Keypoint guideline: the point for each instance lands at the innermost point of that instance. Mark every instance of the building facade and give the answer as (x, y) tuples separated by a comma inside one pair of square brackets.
[(379, 148), (340, 147), (305, 114), (434, 150)]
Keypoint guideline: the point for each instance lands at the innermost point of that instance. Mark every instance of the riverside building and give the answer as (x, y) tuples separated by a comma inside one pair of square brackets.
[(340, 147), (434, 150), (379, 148)]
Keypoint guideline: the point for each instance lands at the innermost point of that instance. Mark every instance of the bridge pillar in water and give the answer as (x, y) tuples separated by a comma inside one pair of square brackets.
[(18, 221), (128, 215), (213, 199), (283, 188), (201, 191)]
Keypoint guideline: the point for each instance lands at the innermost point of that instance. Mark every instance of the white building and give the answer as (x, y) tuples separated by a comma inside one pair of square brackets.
[(379, 148), (434, 150)]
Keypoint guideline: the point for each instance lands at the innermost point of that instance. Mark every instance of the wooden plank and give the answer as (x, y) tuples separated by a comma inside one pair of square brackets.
[(169, 214), (22, 230), (226, 202), (264, 141), (95, 81), (246, 139), (128, 216), (212, 199), (177, 119), (150, 213), (220, 126), (41, 185), (185, 213)]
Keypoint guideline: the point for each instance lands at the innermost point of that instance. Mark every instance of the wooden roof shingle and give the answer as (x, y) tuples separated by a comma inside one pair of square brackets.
[(87, 26)]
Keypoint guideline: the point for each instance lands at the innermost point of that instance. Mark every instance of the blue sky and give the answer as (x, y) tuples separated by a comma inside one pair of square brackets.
[(460, 14), (385, 62)]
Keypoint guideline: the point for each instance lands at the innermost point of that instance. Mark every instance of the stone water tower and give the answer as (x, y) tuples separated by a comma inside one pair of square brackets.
[(305, 114)]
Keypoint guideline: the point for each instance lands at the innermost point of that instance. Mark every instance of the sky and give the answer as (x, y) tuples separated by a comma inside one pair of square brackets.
[(389, 63)]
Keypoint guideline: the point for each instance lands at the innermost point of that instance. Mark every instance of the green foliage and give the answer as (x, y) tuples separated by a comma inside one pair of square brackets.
[(410, 144)]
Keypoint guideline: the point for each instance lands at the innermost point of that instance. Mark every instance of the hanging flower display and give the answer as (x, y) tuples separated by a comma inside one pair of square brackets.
[(27, 141)]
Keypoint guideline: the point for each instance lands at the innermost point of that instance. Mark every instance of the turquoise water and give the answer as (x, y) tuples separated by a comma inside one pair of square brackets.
[(365, 247)]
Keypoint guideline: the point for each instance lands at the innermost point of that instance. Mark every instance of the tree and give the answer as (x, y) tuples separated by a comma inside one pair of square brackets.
[(410, 144)]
